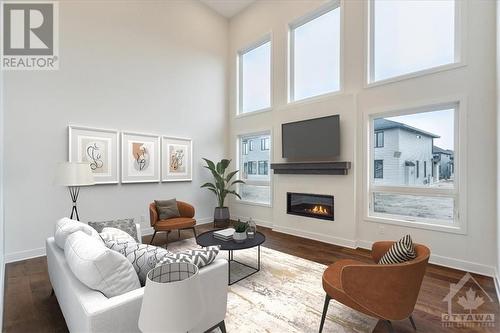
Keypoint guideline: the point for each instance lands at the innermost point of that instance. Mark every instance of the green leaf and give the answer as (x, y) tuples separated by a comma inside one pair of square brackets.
[(218, 168), (235, 193), (231, 175), (210, 164), (239, 181), (208, 185), (224, 164)]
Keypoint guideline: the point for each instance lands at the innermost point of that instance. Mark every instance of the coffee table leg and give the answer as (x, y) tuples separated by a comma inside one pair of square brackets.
[(258, 261)]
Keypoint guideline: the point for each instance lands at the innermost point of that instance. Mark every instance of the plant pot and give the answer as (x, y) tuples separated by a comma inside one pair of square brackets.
[(221, 214), (240, 237)]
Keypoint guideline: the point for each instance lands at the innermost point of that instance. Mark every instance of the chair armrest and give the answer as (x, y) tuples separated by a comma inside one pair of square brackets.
[(185, 209), (379, 249), (138, 230), (153, 214)]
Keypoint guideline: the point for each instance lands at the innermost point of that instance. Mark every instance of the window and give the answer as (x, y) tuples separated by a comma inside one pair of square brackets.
[(254, 77), (396, 191), (379, 139), (264, 144), (411, 36), (378, 169), (244, 148), (256, 175), (315, 53)]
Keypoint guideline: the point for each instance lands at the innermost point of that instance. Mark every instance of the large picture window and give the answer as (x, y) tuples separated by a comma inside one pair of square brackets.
[(411, 36), (254, 169), (315, 53), (399, 189)]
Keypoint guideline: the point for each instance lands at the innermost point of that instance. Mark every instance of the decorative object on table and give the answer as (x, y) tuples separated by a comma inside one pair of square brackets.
[(172, 300), (98, 148), (177, 159), (252, 228), (224, 234), (184, 221), (74, 176), (126, 225), (140, 158), (240, 232), (221, 187)]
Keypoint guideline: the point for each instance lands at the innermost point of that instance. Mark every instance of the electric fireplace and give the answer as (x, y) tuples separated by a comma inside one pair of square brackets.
[(310, 205)]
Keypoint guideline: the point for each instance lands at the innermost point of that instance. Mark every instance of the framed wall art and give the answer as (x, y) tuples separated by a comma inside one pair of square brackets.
[(177, 159), (99, 148), (140, 158)]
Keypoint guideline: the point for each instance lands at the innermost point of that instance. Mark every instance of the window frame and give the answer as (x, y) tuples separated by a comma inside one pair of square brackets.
[(460, 51), (459, 192), (329, 6), (264, 144), (239, 77)]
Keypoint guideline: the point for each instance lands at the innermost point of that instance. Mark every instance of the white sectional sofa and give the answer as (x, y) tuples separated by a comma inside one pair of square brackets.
[(87, 310)]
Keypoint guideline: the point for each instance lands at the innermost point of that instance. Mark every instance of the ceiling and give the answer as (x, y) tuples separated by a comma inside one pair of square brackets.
[(228, 8)]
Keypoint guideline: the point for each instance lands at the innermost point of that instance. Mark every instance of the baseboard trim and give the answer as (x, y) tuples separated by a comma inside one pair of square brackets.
[(23, 255), (315, 236), (146, 231)]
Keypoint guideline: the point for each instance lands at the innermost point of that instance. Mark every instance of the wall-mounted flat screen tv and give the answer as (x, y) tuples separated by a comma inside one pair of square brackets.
[(317, 138)]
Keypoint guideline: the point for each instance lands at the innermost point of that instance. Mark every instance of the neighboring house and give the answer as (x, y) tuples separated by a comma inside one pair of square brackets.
[(444, 161), (255, 158), (403, 154)]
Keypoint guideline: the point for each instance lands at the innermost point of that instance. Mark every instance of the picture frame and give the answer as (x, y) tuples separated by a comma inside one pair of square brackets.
[(98, 147), (177, 159), (140, 158)]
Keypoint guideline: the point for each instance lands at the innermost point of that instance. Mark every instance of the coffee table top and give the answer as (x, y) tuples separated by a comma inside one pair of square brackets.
[(207, 239)]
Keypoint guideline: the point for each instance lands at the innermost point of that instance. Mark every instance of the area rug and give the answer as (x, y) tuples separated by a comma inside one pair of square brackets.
[(285, 296)]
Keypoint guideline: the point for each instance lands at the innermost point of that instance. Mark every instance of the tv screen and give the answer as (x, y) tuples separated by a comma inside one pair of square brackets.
[(317, 138)]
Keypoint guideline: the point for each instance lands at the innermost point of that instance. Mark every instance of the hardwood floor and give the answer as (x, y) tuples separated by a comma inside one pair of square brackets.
[(30, 307)]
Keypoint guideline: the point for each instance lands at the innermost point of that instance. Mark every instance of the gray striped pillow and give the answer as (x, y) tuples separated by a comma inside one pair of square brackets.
[(401, 251)]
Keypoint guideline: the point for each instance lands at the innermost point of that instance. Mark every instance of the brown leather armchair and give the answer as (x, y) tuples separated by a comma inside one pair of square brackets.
[(185, 221), (386, 292)]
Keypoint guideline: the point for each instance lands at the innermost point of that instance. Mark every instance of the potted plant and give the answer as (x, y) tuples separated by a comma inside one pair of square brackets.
[(240, 232), (221, 187)]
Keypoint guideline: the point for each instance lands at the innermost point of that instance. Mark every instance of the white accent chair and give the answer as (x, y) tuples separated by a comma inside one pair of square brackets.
[(87, 310)]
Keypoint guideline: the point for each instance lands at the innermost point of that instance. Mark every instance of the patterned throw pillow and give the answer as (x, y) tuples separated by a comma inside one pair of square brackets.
[(143, 257), (199, 257), (126, 225), (117, 235), (401, 251)]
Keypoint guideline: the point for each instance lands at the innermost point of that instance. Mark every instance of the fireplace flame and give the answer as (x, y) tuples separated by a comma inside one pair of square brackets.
[(319, 210)]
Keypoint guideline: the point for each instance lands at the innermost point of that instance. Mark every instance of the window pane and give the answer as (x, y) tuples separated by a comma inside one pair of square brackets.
[(255, 90), (257, 194), (404, 205), (316, 56), (410, 36), (413, 142)]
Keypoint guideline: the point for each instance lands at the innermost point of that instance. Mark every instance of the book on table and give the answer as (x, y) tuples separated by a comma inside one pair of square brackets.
[(224, 234)]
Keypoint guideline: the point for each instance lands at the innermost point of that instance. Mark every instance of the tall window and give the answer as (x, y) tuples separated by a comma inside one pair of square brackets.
[(254, 77), (256, 175), (315, 53), (396, 190), (244, 148), (264, 144), (379, 139), (411, 36)]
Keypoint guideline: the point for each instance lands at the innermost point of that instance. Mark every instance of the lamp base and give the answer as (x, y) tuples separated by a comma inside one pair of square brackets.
[(74, 191)]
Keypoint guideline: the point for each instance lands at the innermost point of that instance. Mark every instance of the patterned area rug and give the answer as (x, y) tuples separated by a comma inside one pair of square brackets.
[(285, 296)]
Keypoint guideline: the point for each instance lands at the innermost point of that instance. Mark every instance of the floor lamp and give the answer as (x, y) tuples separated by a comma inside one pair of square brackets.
[(74, 176)]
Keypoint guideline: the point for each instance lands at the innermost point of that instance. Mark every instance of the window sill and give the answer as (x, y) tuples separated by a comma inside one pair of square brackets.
[(313, 99), (453, 229), (251, 113), (251, 203), (417, 74)]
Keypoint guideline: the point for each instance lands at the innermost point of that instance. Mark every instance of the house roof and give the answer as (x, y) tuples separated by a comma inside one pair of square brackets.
[(384, 124), (437, 150)]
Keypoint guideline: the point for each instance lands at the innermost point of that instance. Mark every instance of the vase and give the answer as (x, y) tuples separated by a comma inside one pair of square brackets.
[(240, 237), (221, 214)]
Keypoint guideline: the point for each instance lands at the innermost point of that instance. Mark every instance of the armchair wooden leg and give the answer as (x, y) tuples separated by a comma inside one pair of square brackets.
[(222, 326), (194, 232), (389, 326), (412, 322), (179, 233), (325, 310), (151, 241)]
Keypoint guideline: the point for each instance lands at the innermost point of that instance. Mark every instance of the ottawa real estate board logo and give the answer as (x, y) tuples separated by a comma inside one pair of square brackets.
[(30, 35)]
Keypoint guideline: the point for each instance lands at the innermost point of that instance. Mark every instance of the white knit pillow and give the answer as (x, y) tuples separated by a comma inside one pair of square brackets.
[(113, 234), (66, 226)]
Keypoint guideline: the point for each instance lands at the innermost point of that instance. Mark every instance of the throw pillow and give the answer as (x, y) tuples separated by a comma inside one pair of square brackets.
[(401, 251), (98, 267), (167, 209), (117, 235), (143, 257), (65, 227), (199, 257), (126, 225)]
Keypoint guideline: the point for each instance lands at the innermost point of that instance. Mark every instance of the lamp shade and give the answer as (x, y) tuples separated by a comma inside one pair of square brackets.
[(74, 174), (172, 300)]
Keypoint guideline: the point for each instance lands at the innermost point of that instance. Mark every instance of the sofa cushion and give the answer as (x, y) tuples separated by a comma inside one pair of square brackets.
[(167, 209), (117, 235), (65, 227), (98, 267), (401, 251), (198, 257), (127, 225)]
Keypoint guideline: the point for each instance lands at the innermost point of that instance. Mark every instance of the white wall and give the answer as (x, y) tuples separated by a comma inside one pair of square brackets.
[(157, 67), (474, 251), (498, 141)]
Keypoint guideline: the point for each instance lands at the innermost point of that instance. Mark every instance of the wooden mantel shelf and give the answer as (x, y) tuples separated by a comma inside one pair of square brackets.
[(312, 168)]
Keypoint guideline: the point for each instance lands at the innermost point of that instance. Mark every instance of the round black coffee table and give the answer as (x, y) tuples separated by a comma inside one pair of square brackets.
[(208, 239)]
